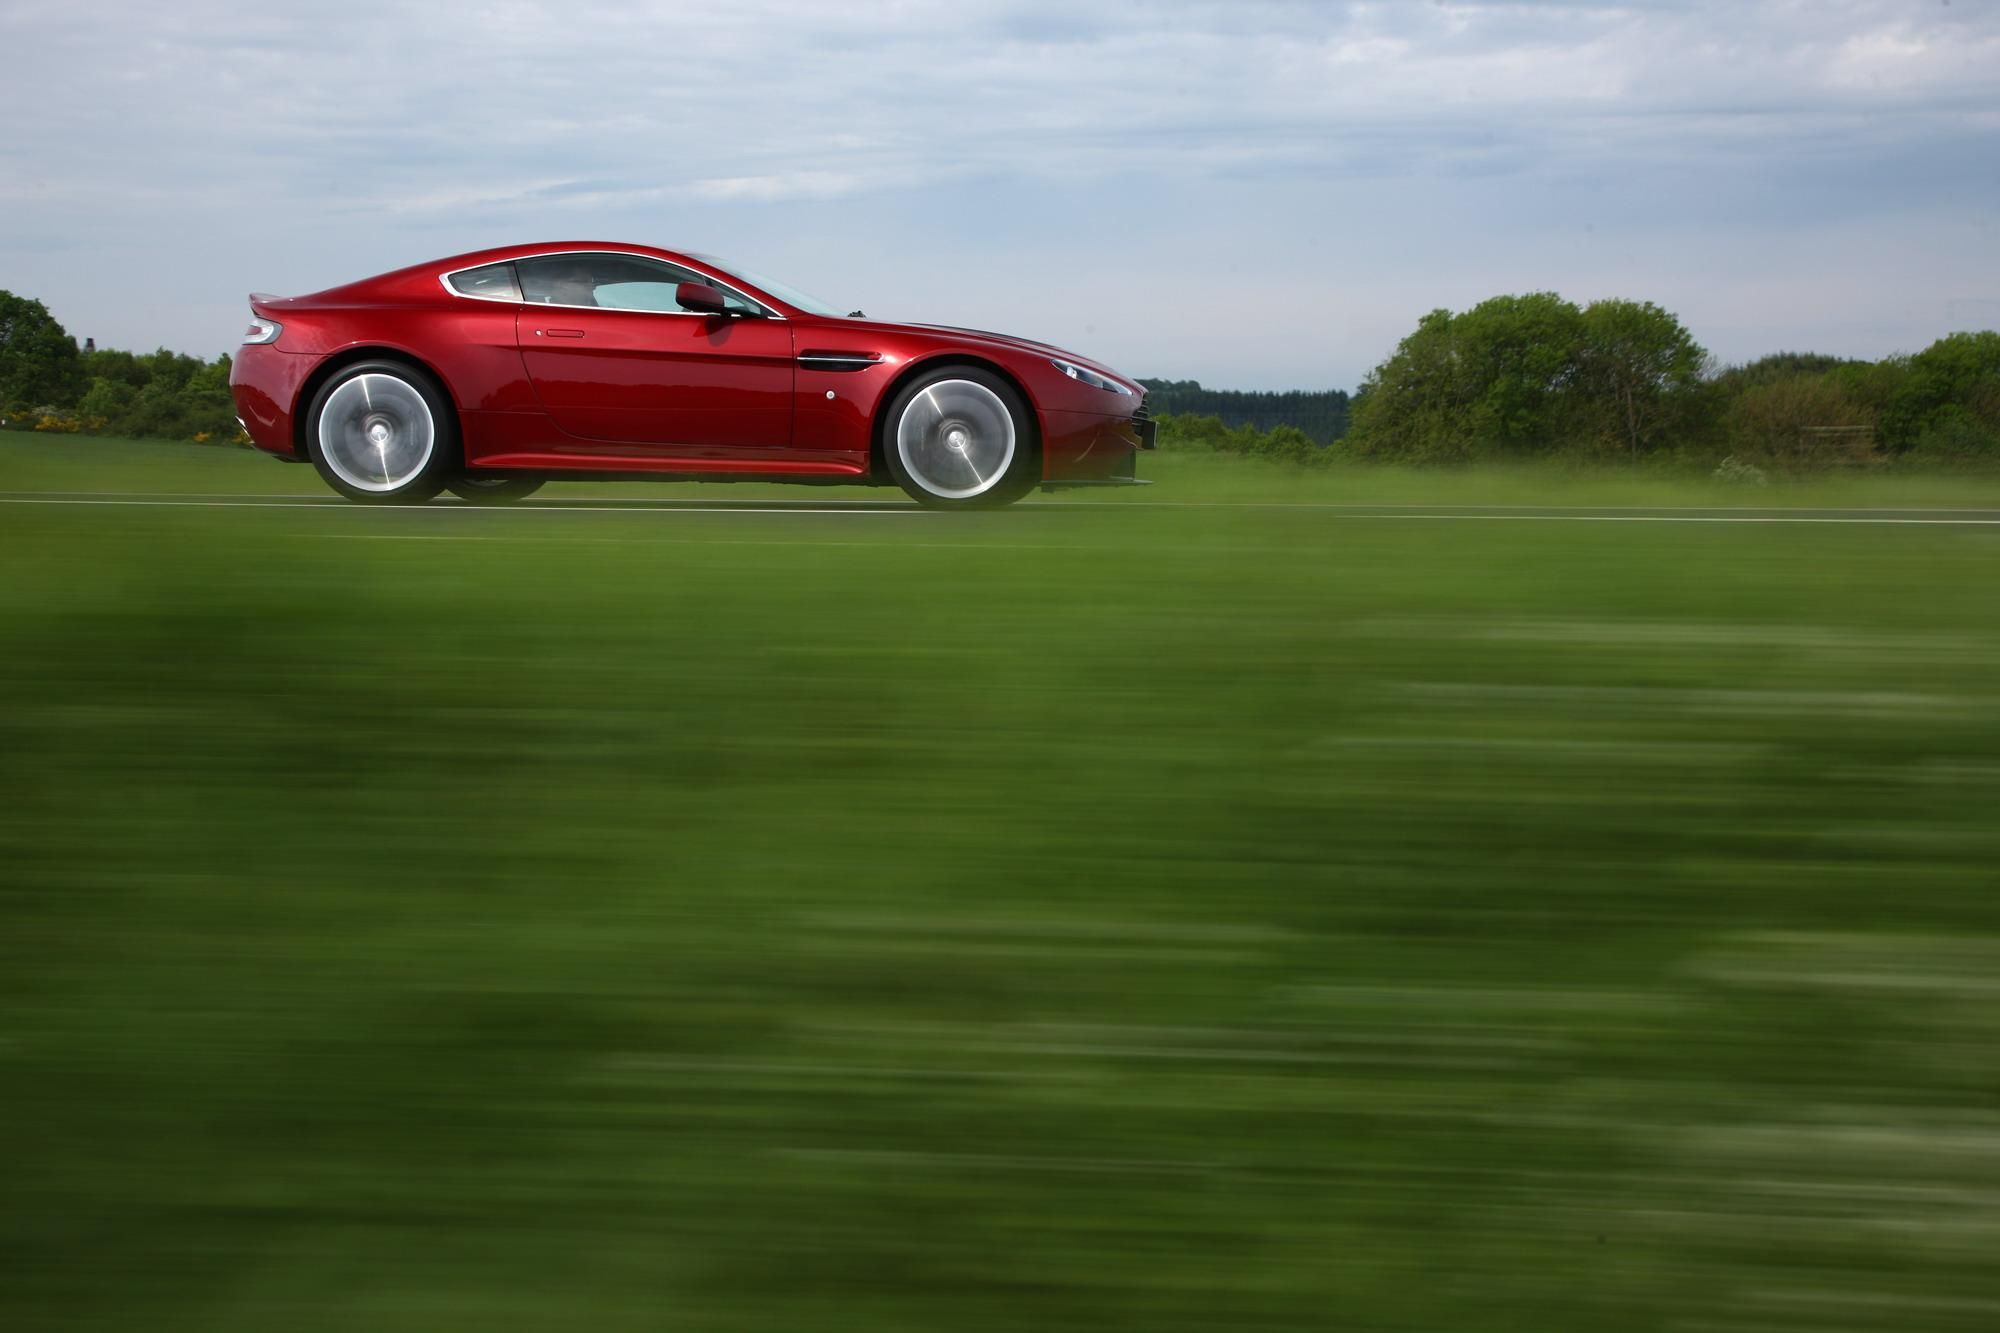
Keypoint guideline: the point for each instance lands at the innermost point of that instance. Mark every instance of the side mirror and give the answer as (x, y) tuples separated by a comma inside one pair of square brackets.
[(702, 297)]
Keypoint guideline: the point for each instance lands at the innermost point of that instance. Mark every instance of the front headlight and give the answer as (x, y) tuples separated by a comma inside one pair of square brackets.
[(1090, 377)]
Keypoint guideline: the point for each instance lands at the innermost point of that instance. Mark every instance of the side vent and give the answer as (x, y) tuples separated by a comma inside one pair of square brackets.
[(838, 361)]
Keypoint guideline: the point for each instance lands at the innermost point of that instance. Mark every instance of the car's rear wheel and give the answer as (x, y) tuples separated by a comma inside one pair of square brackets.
[(961, 438), (382, 432), (493, 490)]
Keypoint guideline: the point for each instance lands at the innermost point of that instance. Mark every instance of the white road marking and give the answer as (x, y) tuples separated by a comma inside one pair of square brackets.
[(1891, 516), (321, 497), (676, 501), (1536, 508), (328, 498), (677, 541), (1688, 518), (445, 509)]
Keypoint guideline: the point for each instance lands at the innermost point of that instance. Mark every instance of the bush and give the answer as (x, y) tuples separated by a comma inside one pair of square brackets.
[(1800, 422), (1204, 434), (1955, 436), (1733, 471)]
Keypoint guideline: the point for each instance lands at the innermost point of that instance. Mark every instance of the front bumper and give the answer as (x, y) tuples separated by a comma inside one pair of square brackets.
[(1125, 472), (1094, 446)]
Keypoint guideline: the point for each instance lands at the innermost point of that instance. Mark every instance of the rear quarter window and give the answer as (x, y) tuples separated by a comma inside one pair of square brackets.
[(494, 282)]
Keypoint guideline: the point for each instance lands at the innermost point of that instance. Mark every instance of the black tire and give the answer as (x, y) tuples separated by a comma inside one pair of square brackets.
[(493, 490), (383, 432), (959, 437)]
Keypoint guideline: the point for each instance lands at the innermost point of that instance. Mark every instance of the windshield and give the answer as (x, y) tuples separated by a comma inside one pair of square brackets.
[(792, 296)]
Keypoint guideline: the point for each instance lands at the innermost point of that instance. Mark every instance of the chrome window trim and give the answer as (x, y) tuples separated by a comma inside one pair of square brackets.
[(444, 281)]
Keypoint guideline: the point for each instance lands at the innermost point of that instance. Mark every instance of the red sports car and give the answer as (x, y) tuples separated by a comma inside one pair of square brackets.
[(492, 372)]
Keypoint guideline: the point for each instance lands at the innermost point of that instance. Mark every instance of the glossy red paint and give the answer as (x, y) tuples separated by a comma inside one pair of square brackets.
[(701, 296), (555, 388), (684, 385)]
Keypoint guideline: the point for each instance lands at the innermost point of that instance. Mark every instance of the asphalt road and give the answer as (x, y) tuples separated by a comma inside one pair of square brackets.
[(902, 509)]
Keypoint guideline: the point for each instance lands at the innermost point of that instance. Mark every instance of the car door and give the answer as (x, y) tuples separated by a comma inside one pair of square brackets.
[(620, 367)]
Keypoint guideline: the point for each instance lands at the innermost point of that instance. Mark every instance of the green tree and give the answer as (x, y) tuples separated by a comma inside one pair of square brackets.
[(1533, 374), (1517, 362), (39, 362), (1779, 366), (1489, 380), (107, 400), (1951, 388), (1636, 362), (106, 363), (1414, 406)]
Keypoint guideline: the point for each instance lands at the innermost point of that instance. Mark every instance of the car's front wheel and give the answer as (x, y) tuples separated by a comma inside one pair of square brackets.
[(383, 432), (493, 490), (961, 438)]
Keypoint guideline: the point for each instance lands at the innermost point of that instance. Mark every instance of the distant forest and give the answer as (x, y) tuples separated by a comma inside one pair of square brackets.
[(1320, 414)]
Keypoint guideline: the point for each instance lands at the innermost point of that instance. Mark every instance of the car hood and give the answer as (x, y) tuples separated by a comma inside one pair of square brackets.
[(1010, 341)]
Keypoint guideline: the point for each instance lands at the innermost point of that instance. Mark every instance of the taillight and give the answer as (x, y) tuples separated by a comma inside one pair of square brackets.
[(262, 330)]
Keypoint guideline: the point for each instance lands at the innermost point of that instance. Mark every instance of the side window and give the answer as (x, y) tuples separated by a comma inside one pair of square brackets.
[(612, 282), (494, 281)]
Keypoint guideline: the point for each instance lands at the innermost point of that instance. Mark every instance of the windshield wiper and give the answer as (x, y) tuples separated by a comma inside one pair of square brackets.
[(856, 314)]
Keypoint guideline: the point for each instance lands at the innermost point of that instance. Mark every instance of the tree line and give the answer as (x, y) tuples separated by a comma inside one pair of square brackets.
[(48, 383), (1321, 415), (1513, 377), (1535, 375)]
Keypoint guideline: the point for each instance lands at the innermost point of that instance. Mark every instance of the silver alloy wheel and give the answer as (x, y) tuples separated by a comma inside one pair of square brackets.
[(376, 432), (956, 439)]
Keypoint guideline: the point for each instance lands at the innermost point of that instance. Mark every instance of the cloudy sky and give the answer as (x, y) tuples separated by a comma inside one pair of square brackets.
[(1254, 194)]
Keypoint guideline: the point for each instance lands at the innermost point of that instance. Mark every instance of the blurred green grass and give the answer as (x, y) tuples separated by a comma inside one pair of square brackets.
[(1063, 918), (56, 462)]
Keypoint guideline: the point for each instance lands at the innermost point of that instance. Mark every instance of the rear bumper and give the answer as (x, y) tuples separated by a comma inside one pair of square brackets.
[(265, 383)]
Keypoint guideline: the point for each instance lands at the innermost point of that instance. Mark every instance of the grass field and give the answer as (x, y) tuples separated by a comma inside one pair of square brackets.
[(1167, 915)]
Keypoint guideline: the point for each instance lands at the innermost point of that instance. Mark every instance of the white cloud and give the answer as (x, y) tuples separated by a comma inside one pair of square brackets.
[(782, 185), (313, 143)]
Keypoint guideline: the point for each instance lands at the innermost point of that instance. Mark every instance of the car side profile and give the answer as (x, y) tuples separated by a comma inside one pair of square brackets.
[(489, 373)]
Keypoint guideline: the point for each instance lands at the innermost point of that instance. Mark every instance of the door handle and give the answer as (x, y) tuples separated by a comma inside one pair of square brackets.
[(559, 333)]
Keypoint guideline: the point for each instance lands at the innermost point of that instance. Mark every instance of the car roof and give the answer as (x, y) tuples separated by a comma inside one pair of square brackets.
[(423, 279)]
